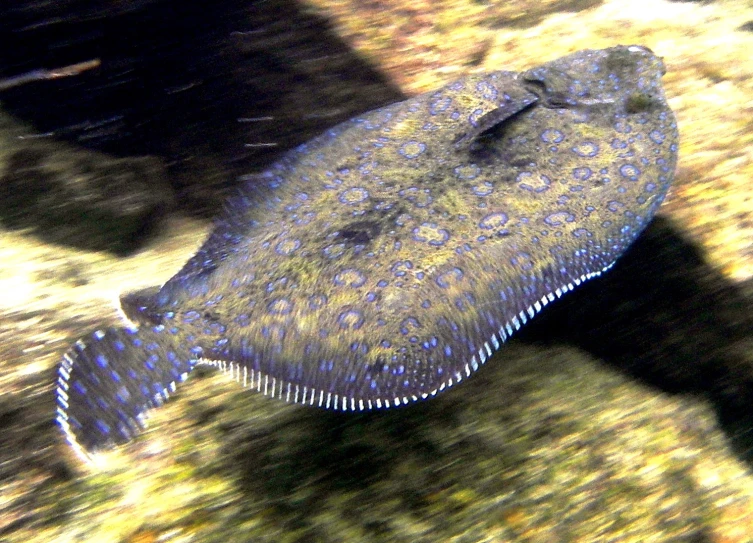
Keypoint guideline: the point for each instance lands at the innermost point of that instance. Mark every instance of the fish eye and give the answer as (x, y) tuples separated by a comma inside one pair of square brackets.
[(638, 102)]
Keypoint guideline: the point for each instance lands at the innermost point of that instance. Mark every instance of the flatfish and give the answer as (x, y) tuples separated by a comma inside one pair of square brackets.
[(387, 259)]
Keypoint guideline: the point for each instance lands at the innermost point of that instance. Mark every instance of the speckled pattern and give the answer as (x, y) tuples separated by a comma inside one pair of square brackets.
[(387, 259)]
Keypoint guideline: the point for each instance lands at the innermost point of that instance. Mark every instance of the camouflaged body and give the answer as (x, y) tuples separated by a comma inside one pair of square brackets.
[(388, 258)]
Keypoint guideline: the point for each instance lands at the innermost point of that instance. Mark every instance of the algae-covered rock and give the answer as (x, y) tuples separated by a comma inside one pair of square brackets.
[(81, 198)]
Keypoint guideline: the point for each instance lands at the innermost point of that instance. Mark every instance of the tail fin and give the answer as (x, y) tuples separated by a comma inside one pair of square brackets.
[(107, 382)]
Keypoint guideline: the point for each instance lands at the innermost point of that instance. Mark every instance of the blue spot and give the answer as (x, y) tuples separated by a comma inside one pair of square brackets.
[(350, 277), (657, 136), (431, 233), (586, 149), (101, 360), (483, 189), (333, 183), (527, 182), (123, 395), (475, 115), (439, 103), (151, 362), (334, 251), (622, 127), (449, 278), (493, 221), (630, 172), (412, 149), (460, 303), (559, 218), (582, 174), (399, 267), (522, 260), (102, 426), (582, 232), (419, 198), (350, 319), (280, 306), (354, 195), (242, 320), (191, 316), (552, 135), (487, 90), (317, 301), (467, 171), (287, 246), (614, 205), (407, 324)]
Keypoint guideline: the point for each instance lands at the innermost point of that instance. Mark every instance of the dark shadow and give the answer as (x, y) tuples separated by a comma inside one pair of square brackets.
[(669, 319), (78, 198), (297, 464), (216, 90)]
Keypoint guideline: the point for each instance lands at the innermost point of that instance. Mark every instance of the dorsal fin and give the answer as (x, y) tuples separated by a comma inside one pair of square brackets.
[(489, 120)]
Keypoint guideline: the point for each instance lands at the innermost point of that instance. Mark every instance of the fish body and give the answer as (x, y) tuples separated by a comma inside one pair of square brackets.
[(387, 259)]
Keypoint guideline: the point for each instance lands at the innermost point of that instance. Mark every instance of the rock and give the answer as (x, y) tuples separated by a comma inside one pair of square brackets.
[(83, 198)]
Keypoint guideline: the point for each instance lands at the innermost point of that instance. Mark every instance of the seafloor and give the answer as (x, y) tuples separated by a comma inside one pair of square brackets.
[(622, 416)]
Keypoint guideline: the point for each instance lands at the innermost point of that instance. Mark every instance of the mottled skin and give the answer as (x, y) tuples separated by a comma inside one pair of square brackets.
[(385, 260)]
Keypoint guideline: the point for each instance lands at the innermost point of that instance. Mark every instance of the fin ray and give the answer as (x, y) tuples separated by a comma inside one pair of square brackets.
[(107, 382)]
